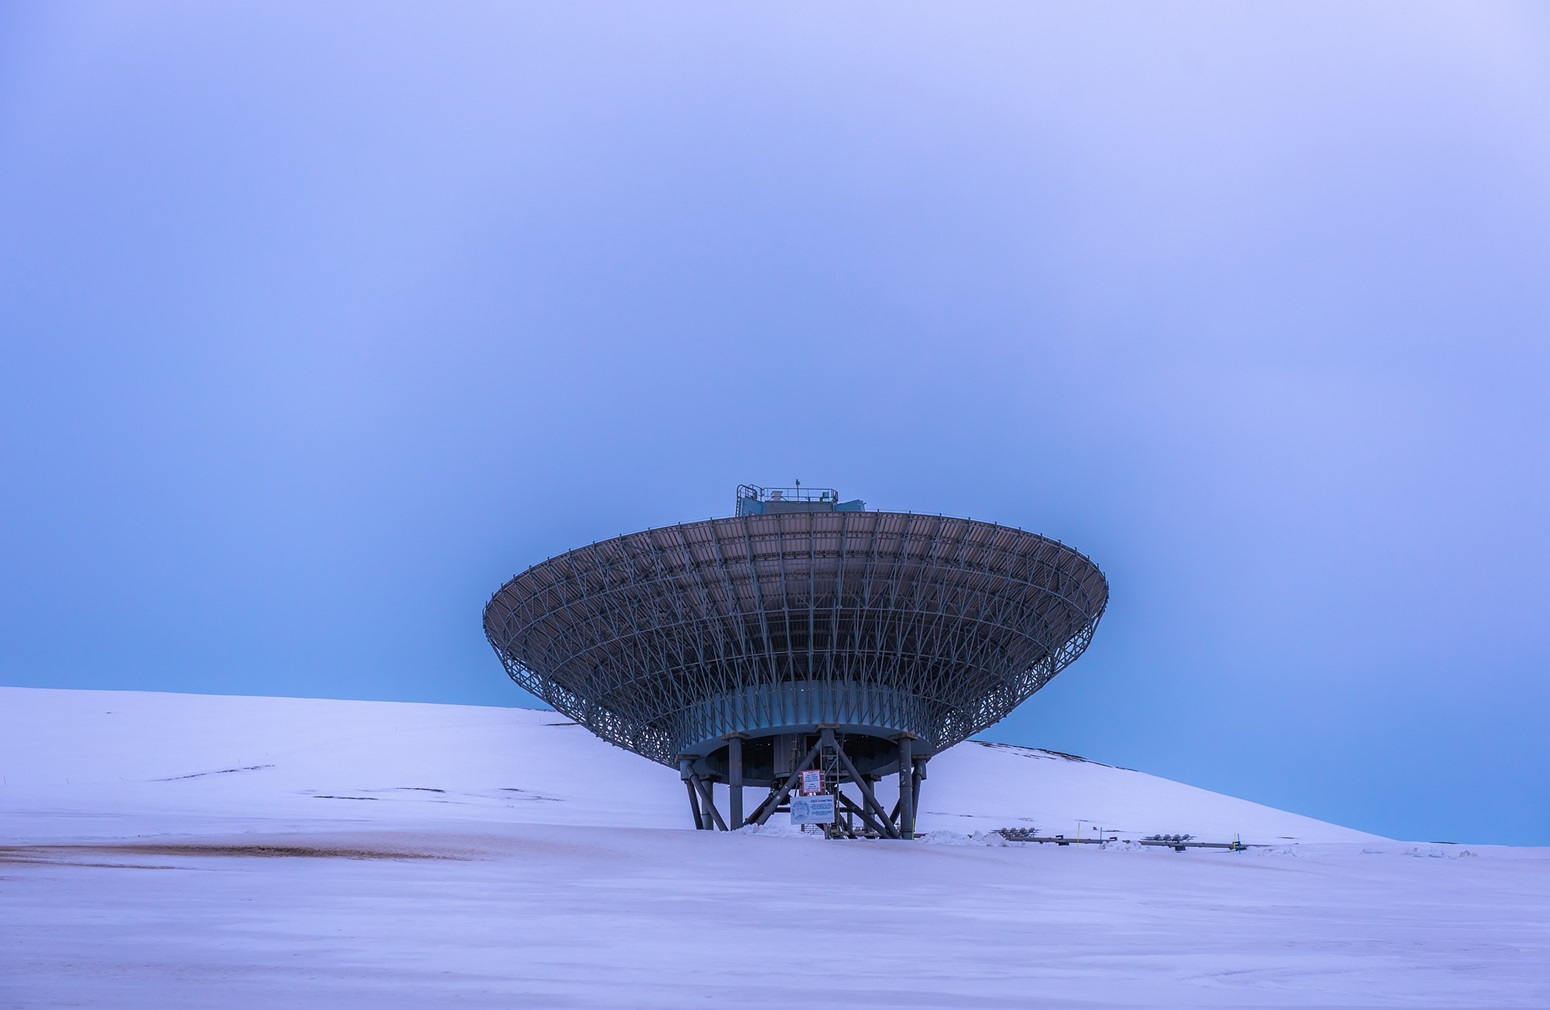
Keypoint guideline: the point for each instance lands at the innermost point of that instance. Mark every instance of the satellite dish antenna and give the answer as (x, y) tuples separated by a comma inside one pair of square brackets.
[(731, 725)]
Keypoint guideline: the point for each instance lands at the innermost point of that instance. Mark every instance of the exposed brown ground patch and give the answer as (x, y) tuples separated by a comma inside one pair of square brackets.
[(69, 855)]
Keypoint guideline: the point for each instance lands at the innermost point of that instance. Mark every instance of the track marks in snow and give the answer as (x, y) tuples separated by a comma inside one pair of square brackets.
[(504, 796), (220, 771)]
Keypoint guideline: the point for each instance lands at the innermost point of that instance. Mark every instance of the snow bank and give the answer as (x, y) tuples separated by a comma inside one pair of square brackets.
[(70, 760)]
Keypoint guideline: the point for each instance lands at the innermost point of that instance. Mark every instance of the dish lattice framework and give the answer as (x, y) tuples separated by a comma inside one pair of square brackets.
[(668, 640)]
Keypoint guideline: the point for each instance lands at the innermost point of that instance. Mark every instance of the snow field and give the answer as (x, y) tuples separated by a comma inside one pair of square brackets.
[(189, 851)]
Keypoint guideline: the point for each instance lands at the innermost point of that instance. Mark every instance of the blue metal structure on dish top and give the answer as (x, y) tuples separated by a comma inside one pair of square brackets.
[(803, 633)]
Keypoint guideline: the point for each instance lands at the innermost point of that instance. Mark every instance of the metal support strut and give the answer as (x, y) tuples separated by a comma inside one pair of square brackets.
[(735, 780), (778, 796), (684, 770), (883, 824)]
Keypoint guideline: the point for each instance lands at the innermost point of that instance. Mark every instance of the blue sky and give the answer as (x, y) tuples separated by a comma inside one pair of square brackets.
[(320, 321)]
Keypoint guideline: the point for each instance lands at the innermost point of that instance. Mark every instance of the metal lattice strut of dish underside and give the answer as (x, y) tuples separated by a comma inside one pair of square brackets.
[(956, 621)]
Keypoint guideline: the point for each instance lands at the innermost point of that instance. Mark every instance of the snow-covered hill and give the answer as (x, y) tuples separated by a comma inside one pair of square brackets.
[(177, 851), (66, 756)]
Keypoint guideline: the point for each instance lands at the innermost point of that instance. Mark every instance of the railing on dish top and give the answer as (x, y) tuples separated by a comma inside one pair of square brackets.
[(753, 492)]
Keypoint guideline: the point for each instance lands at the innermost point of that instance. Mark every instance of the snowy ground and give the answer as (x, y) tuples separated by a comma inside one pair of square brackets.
[(173, 850)]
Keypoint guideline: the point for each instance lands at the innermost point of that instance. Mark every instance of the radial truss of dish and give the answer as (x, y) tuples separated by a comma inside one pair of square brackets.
[(930, 625)]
